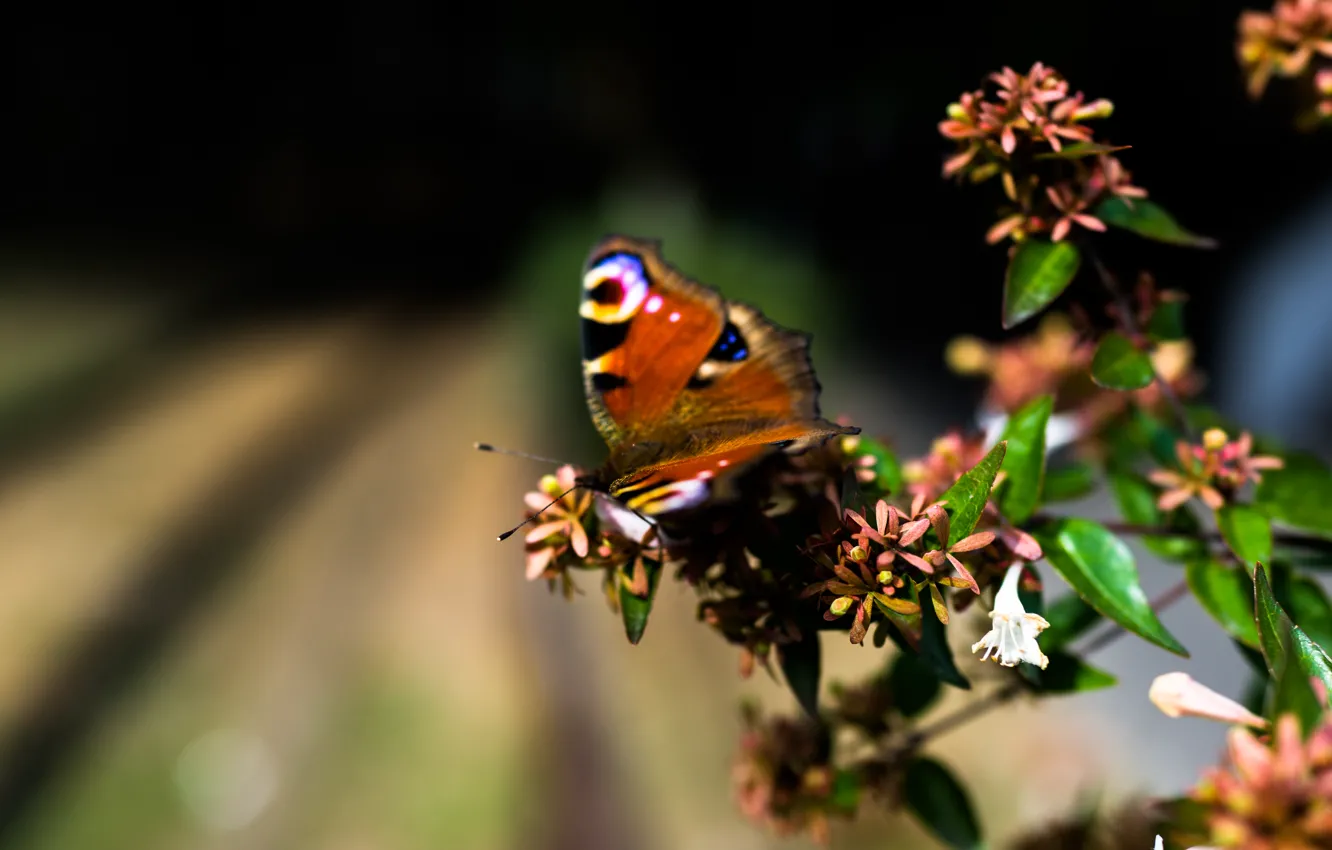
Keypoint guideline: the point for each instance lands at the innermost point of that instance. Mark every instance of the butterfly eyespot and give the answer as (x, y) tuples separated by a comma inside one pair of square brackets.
[(615, 288), (730, 345)]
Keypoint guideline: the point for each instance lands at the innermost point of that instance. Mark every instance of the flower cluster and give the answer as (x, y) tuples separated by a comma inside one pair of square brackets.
[(875, 565), (1213, 470), (783, 778), (579, 530), (1017, 132), (1292, 40), (1274, 797)]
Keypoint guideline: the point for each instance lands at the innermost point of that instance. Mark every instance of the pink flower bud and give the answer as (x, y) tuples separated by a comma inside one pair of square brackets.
[(1179, 695)]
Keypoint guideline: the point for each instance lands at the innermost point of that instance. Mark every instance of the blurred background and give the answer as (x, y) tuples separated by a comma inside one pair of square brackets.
[(266, 274)]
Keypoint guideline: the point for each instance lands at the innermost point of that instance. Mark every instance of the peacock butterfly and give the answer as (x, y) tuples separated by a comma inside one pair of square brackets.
[(687, 388)]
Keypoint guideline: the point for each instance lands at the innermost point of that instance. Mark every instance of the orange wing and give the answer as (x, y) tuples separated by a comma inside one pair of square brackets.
[(646, 328), (687, 388)]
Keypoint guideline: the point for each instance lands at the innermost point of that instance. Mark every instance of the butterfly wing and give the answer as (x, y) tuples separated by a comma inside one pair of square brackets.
[(687, 388), (707, 469), (646, 327)]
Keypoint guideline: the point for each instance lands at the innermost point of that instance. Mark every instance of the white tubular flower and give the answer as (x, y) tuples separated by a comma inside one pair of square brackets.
[(1012, 634)]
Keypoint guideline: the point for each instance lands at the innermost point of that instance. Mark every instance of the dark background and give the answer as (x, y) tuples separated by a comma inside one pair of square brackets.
[(303, 148), (271, 167)]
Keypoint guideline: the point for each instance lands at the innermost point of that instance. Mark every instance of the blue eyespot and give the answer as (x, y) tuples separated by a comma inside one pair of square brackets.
[(730, 346)]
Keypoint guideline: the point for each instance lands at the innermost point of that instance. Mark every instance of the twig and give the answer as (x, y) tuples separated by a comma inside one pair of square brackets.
[(1015, 688), (1125, 309)]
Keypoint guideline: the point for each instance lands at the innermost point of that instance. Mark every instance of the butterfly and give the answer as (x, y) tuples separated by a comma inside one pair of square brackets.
[(688, 389)]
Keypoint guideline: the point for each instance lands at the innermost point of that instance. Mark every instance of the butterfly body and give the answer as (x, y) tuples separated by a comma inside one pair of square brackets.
[(688, 389)]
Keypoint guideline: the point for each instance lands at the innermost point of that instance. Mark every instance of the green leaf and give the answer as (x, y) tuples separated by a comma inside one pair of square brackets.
[(845, 796), (935, 652), (1314, 662), (1292, 693), (1068, 674), (1078, 150), (1274, 626), (913, 683), (1299, 495), (1024, 459), (1167, 321), (1137, 502), (1247, 531), (968, 495), (1100, 567), (941, 804), (1148, 220), (1119, 365), (1305, 601), (1187, 823), (1069, 618), (634, 610), (801, 662), (1068, 482), (1226, 593), (1038, 271)]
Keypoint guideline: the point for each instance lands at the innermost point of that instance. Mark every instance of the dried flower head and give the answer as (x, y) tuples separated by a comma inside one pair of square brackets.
[(783, 777)]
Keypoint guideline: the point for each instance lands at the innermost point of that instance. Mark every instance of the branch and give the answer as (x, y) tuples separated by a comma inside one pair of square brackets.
[(1015, 688), (1125, 309)]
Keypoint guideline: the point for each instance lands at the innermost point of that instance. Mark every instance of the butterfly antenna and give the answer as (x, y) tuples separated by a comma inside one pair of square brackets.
[(487, 447), (506, 535)]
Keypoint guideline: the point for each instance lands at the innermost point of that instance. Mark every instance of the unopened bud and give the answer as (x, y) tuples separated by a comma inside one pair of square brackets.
[(1214, 439), (981, 173), (967, 355), (884, 577), (1100, 108), (841, 605), (1323, 82), (1179, 695), (859, 555), (958, 112), (550, 484)]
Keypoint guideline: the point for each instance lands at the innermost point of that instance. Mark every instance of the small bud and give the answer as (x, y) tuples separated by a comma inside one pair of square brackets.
[(859, 555), (841, 605), (885, 577), (1214, 439), (550, 484), (981, 173), (1323, 82), (1100, 108), (958, 112), (850, 444), (967, 355)]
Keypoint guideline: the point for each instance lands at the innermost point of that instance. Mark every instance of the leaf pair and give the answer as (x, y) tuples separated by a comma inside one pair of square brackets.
[(1040, 270)]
